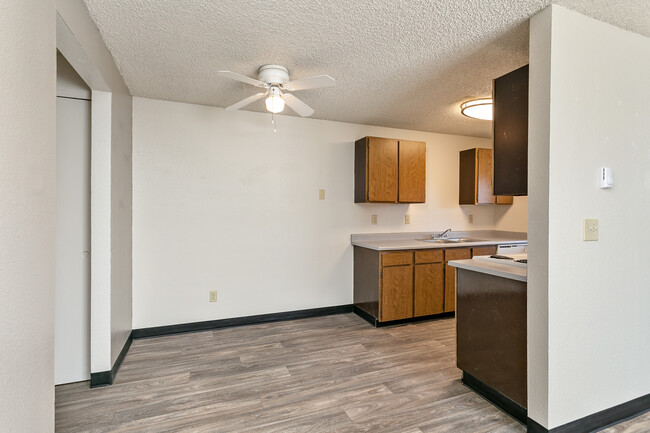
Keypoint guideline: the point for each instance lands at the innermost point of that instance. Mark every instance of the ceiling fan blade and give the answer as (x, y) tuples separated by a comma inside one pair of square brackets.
[(242, 78), (245, 102), (310, 83), (297, 105)]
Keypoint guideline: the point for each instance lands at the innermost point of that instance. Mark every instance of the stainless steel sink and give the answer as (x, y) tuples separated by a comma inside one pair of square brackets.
[(451, 240)]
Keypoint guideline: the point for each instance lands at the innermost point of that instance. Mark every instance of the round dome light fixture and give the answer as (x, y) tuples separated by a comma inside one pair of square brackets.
[(477, 108)]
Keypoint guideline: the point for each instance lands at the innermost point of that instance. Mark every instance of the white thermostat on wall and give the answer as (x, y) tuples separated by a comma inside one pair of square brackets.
[(606, 177)]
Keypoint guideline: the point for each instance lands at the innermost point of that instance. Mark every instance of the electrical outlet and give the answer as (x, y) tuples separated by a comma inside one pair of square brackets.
[(373, 219), (321, 194), (590, 230), (213, 296), (471, 219), (407, 219)]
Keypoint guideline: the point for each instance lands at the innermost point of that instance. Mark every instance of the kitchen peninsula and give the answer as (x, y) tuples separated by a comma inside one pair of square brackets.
[(491, 330)]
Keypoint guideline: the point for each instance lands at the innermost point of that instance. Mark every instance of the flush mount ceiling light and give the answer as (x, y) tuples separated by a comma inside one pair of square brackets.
[(477, 108)]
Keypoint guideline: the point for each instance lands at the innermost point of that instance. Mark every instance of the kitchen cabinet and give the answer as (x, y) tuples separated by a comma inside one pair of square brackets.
[(511, 133), (450, 275), (389, 171), (475, 178), (429, 283), (396, 292), (412, 171), (404, 284), (484, 251)]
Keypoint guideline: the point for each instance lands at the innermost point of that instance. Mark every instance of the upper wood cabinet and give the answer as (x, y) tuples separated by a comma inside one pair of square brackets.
[(412, 171), (511, 133), (475, 178), (389, 171)]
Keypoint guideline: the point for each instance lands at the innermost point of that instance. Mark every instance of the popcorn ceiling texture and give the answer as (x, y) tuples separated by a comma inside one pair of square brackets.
[(402, 64)]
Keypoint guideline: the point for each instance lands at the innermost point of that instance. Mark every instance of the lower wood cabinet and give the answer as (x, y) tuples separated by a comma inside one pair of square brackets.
[(396, 293), (450, 275), (428, 291), (397, 285)]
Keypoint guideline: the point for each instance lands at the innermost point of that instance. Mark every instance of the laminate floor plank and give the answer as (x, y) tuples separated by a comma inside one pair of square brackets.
[(638, 424), (333, 374)]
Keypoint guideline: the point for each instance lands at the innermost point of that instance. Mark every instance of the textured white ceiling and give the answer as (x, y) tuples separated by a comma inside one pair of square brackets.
[(398, 63)]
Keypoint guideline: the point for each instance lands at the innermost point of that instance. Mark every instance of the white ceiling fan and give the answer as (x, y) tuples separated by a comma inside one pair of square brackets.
[(275, 79)]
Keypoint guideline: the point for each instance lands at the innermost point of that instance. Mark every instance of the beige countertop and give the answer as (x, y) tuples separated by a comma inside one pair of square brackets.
[(415, 240), (502, 270)]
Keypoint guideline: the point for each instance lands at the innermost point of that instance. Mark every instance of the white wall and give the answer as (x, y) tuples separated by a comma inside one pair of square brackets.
[(121, 206), (514, 217), (79, 40), (100, 232), (68, 83), (27, 215), (598, 297), (222, 202), (539, 107), (111, 304)]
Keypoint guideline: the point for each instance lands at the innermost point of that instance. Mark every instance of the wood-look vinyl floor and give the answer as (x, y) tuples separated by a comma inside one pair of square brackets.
[(326, 374)]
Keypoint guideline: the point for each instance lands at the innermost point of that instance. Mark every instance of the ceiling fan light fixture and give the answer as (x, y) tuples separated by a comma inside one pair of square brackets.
[(274, 103), (477, 108)]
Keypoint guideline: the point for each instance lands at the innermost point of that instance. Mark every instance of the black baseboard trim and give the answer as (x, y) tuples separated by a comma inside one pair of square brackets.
[(377, 324), (159, 331), (512, 408), (104, 378), (598, 420), (365, 315), (416, 319)]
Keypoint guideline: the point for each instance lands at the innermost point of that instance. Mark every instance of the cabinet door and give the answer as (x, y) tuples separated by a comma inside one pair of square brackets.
[(450, 288), (484, 177), (429, 289), (511, 133), (412, 171), (396, 293), (450, 275), (382, 170), (467, 177)]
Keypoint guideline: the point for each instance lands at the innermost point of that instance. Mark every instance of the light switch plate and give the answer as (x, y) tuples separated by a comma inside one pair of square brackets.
[(590, 230), (321, 194), (471, 219), (373, 219), (407, 219), (213, 296)]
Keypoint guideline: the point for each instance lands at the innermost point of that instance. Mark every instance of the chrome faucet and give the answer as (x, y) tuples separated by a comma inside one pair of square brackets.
[(441, 234)]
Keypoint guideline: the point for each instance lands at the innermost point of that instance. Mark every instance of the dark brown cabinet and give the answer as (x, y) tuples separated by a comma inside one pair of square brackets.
[(511, 133), (475, 178), (388, 170), (491, 339)]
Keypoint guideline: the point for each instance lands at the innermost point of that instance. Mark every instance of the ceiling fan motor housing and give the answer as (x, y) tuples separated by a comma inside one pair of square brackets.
[(273, 74)]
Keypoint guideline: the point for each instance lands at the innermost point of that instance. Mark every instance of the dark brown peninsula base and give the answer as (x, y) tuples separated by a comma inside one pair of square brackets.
[(491, 338)]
